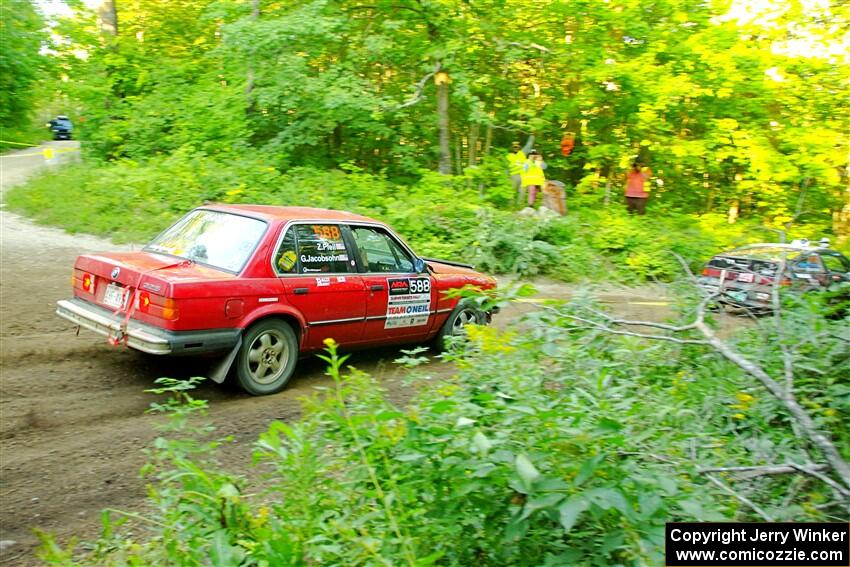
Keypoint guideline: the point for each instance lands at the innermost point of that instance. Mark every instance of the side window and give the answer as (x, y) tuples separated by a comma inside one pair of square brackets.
[(835, 263), (321, 249), (808, 263), (379, 252), (286, 259)]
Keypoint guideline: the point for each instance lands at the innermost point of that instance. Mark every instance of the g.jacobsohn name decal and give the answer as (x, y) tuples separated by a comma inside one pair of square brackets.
[(693, 544)]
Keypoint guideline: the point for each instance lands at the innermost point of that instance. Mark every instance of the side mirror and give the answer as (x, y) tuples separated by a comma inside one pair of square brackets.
[(419, 266)]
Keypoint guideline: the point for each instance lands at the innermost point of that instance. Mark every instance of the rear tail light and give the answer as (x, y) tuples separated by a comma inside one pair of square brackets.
[(706, 272), (144, 302), (87, 283), (156, 305)]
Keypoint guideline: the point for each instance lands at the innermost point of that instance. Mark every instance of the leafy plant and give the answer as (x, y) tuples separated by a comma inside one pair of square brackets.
[(553, 443)]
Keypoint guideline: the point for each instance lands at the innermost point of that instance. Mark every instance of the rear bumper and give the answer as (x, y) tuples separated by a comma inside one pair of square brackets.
[(757, 297), (144, 337)]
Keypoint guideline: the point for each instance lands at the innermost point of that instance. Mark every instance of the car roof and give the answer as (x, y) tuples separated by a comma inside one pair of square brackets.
[(773, 251), (272, 212)]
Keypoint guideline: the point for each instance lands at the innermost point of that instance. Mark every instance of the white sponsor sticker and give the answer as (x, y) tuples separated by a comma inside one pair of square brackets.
[(323, 258), (408, 302), (340, 279), (322, 282)]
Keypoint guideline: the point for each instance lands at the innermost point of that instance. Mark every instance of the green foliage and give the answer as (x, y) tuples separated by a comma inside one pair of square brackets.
[(441, 216), (727, 113), (553, 444), (21, 36)]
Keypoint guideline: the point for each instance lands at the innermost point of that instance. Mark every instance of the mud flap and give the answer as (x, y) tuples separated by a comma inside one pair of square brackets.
[(219, 371)]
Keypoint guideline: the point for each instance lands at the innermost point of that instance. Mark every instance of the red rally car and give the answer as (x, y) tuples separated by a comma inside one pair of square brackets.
[(262, 285)]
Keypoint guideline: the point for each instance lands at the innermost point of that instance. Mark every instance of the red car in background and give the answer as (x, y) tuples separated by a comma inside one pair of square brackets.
[(263, 285)]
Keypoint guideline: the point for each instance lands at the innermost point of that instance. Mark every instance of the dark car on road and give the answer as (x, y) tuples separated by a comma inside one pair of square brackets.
[(746, 276), (61, 127)]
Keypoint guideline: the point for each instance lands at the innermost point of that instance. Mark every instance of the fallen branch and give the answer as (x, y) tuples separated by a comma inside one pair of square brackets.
[(613, 331), (743, 499), (785, 395), (812, 471), (744, 473), (802, 418)]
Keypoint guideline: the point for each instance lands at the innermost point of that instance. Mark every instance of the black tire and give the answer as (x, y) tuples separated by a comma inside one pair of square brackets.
[(267, 357), (463, 314)]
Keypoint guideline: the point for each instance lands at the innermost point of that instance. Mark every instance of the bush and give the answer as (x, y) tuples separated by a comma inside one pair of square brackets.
[(553, 444), (441, 216)]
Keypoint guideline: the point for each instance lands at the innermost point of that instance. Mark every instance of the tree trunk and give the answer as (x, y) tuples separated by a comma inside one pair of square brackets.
[(841, 216), (251, 102), (488, 140), (442, 81), (107, 18), (474, 130), (107, 23)]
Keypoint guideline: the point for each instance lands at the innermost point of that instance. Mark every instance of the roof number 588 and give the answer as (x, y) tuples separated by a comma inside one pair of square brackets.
[(326, 231)]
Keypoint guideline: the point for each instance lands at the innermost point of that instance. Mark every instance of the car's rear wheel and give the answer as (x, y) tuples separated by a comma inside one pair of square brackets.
[(267, 357), (455, 326)]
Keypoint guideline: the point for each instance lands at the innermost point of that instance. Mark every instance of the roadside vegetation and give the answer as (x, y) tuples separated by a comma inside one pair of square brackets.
[(554, 443), (740, 115), (441, 216), (569, 438)]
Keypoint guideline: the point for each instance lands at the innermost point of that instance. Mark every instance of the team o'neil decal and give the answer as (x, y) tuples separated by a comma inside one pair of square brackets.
[(409, 302)]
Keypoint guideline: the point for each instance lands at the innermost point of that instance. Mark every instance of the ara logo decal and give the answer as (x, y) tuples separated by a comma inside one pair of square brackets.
[(116, 271)]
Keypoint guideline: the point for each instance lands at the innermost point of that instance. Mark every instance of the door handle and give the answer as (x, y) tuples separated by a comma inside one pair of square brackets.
[(301, 290), (377, 287)]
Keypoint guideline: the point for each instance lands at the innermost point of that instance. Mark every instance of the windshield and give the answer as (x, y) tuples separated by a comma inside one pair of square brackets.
[(221, 240)]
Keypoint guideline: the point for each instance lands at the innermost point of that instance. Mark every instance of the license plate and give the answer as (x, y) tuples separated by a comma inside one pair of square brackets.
[(745, 277), (740, 296), (115, 296)]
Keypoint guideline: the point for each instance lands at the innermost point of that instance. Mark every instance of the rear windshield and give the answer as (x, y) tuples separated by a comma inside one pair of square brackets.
[(220, 240), (774, 253)]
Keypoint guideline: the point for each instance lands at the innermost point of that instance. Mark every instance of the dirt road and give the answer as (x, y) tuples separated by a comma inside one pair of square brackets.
[(72, 408)]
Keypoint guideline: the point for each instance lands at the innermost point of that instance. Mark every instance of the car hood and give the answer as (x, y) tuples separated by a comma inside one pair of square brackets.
[(457, 276), (438, 267)]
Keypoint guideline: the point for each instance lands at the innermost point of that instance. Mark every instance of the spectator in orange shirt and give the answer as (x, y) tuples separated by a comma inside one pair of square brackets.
[(636, 197)]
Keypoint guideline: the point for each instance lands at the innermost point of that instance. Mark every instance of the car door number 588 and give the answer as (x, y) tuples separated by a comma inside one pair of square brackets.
[(420, 285)]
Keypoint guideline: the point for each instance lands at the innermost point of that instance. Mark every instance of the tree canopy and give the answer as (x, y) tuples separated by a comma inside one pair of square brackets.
[(21, 61), (730, 107)]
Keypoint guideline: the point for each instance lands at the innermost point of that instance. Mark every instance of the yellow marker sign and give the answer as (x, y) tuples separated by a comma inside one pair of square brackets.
[(48, 153)]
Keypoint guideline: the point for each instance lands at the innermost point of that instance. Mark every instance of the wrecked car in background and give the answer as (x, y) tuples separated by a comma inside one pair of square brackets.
[(746, 277)]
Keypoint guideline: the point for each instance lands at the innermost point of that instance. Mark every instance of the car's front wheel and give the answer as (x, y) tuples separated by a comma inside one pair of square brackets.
[(267, 357), (455, 326)]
